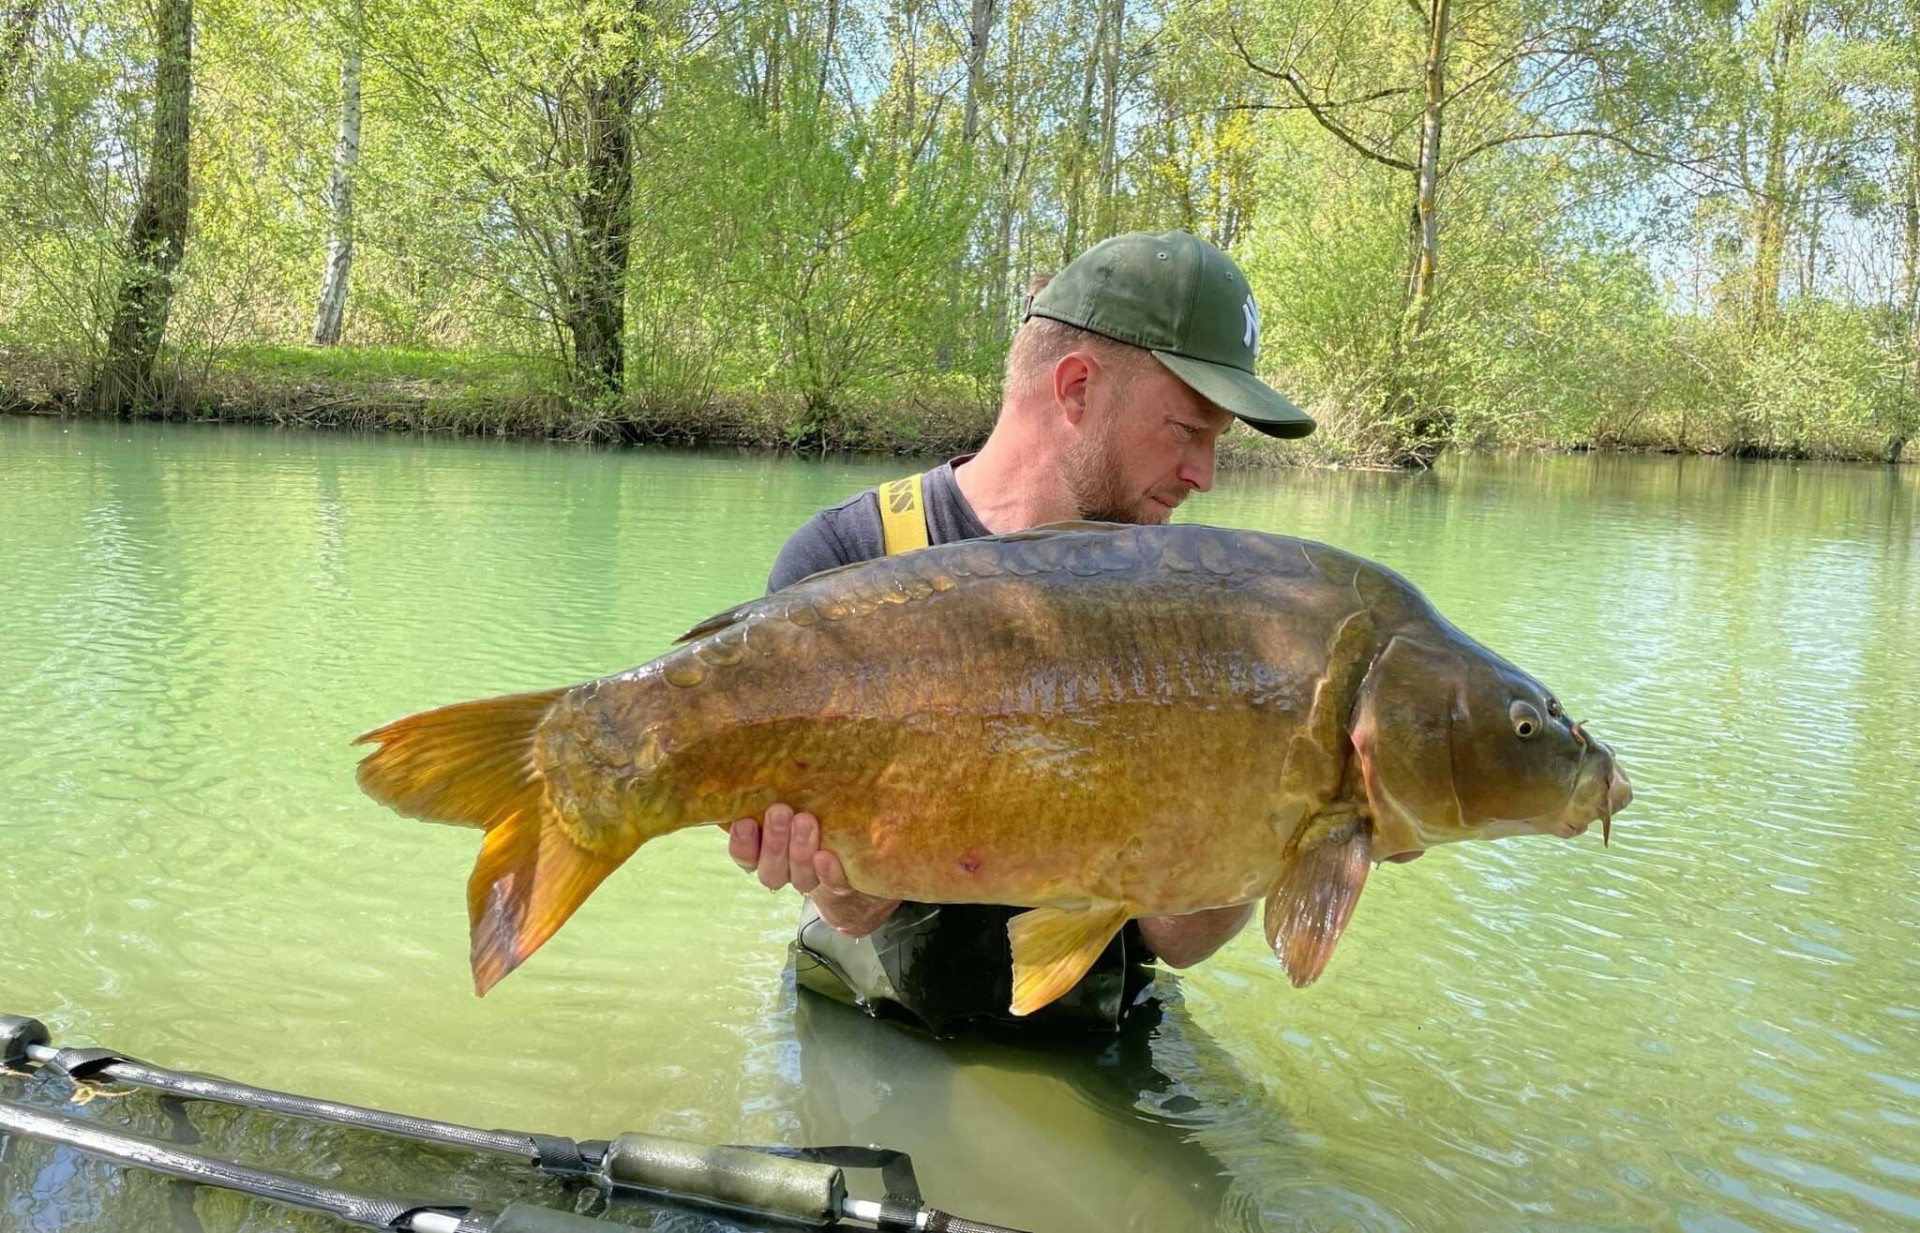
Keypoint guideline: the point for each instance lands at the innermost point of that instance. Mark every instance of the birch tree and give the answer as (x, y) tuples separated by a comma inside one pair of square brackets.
[(979, 38), (346, 156)]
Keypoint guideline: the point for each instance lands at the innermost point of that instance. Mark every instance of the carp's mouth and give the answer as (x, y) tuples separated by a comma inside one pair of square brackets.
[(1603, 791)]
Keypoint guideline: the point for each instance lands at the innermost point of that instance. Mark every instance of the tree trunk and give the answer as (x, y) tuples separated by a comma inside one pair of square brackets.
[(596, 310), (1071, 242), (979, 32), (1910, 217), (21, 17), (1426, 217), (826, 56), (1772, 209), (1013, 188), (346, 156), (157, 236), (1109, 118), (1910, 200)]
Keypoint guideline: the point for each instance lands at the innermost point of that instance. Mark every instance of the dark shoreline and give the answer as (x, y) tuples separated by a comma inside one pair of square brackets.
[(417, 409)]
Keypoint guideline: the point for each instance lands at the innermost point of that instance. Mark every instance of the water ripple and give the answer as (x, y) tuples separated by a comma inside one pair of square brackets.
[(1709, 1025)]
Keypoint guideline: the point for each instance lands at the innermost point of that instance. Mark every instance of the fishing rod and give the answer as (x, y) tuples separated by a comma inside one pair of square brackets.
[(794, 1186)]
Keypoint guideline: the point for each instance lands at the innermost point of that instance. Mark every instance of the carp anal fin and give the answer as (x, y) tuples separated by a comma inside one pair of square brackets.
[(1054, 947), (1310, 908)]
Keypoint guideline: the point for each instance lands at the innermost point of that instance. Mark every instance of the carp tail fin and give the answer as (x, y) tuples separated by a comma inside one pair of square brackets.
[(531, 876), (472, 764), (1054, 947), (1309, 910), (469, 764)]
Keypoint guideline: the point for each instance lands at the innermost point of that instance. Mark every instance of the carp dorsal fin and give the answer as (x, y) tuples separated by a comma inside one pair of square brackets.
[(1310, 908), (1054, 947), (1051, 529), (773, 603), (719, 621)]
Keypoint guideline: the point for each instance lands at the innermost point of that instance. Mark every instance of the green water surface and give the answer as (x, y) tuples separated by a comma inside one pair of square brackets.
[(1715, 1025)]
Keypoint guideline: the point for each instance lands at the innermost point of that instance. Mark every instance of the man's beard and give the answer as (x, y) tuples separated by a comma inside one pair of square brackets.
[(1094, 481)]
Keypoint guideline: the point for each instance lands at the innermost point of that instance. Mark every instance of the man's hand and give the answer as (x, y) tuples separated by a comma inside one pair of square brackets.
[(786, 851), (1182, 941)]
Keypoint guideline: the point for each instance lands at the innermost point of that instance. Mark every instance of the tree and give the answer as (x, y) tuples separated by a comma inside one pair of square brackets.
[(535, 124), (593, 268), (346, 156), (157, 235), (1508, 77)]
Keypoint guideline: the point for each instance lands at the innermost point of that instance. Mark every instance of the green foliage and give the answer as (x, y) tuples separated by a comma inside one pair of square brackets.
[(1659, 225)]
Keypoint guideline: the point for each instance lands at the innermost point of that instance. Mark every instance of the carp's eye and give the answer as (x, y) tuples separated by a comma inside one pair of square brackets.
[(1526, 720)]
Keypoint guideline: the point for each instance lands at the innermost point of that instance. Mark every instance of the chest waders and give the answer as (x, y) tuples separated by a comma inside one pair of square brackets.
[(938, 965)]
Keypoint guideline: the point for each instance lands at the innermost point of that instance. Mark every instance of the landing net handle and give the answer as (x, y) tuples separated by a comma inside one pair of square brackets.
[(364, 1211), (24, 1041), (803, 1186), (795, 1186)]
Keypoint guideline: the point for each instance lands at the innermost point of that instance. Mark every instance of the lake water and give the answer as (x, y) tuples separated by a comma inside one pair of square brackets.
[(1713, 1025)]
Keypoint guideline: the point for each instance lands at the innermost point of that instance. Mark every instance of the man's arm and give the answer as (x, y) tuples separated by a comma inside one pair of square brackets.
[(820, 545), (1182, 941), (785, 851)]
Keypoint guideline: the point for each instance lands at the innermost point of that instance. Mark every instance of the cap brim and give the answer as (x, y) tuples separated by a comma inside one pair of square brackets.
[(1241, 393)]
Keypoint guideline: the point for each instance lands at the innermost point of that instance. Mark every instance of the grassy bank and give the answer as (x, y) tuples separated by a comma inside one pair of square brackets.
[(476, 394), (472, 394)]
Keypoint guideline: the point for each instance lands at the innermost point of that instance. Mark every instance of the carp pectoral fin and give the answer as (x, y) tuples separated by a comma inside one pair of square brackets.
[(1310, 908), (530, 878), (1054, 947)]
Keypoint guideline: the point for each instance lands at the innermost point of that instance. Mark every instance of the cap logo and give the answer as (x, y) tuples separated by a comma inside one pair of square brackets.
[(1252, 315)]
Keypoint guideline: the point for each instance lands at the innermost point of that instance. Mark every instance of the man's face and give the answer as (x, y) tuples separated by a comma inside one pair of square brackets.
[(1144, 444)]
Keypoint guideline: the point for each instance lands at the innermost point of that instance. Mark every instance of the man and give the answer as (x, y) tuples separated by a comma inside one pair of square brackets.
[(1125, 371)]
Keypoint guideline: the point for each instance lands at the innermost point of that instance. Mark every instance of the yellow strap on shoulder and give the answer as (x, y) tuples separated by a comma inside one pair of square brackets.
[(903, 515)]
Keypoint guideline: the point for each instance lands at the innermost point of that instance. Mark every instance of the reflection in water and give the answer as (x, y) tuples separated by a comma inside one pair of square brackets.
[(1711, 1025), (1088, 1131)]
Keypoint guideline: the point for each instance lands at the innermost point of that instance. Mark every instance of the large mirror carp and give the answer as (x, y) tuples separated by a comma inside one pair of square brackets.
[(1092, 721)]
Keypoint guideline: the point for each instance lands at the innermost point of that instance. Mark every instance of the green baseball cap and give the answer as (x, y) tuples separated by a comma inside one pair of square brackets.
[(1184, 300)]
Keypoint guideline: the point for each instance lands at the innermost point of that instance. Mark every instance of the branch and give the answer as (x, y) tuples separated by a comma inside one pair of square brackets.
[(1317, 110), (1550, 134), (1523, 52)]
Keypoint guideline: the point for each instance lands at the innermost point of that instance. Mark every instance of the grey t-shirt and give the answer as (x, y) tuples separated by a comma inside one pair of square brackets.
[(850, 531)]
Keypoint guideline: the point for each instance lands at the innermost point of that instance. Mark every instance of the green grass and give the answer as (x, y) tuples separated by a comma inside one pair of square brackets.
[(489, 393)]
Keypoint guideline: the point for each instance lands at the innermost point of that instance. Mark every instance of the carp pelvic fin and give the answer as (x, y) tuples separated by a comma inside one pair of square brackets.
[(1054, 947), (1310, 908)]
